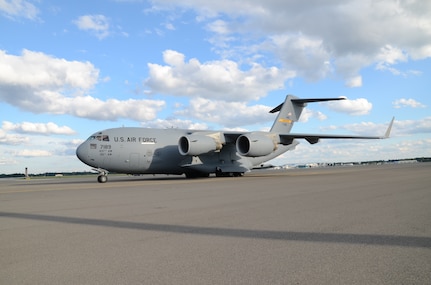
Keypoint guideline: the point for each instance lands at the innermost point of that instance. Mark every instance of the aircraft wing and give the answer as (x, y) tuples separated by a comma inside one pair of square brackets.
[(314, 138), (286, 139), (253, 144)]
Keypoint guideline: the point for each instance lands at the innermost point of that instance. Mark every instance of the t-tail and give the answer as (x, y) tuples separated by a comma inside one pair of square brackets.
[(291, 110)]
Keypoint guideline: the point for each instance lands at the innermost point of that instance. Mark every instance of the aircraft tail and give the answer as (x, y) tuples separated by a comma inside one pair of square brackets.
[(291, 110)]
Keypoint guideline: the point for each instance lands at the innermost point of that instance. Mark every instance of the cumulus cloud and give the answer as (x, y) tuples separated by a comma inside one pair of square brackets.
[(37, 128), (38, 72), (18, 9), (40, 83), (354, 81), (234, 113), (302, 53), (408, 127), (399, 128), (307, 114), (97, 24), (356, 107), (222, 80), (399, 103), (319, 38), (175, 124), (390, 56), (33, 153), (12, 139), (364, 128)]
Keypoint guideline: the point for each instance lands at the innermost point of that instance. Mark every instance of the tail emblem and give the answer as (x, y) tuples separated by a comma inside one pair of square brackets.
[(282, 120)]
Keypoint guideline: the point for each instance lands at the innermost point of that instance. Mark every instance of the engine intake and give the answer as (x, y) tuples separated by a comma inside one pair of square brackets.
[(197, 144), (255, 144)]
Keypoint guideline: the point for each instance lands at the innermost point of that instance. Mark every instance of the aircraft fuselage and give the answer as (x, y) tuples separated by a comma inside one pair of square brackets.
[(156, 151)]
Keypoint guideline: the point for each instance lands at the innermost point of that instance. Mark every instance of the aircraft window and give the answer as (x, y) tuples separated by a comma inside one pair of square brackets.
[(104, 138)]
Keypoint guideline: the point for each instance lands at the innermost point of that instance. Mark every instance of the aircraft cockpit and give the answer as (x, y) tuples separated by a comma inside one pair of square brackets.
[(104, 138)]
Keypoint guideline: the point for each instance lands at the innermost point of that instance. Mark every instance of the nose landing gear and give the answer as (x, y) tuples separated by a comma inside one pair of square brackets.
[(102, 178), (103, 175)]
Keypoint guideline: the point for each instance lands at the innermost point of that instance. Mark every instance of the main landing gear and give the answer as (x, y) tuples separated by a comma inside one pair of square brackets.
[(220, 173), (230, 174)]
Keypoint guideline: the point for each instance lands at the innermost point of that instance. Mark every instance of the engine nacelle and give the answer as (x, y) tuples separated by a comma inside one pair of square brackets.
[(197, 144), (255, 144)]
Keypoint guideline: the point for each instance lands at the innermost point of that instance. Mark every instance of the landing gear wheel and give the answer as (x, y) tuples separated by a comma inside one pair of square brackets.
[(219, 173), (102, 178), (192, 175)]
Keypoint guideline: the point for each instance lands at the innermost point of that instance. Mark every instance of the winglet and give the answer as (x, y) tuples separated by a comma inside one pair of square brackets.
[(388, 131)]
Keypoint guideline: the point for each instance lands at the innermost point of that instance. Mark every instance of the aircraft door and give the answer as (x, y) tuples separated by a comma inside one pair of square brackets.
[(149, 156), (134, 161)]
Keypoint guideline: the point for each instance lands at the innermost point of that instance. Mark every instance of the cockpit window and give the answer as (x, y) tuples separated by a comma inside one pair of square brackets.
[(104, 138)]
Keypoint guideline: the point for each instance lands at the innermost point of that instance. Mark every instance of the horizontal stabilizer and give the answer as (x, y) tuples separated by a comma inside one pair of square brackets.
[(313, 100), (303, 102)]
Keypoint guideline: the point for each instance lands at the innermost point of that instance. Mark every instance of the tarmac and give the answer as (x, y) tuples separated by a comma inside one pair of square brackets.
[(335, 225)]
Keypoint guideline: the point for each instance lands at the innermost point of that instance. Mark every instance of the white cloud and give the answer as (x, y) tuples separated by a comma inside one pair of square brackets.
[(219, 27), (33, 153), (18, 8), (12, 139), (38, 71), (227, 114), (111, 109), (308, 114), (408, 127), (399, 128), (356, 107), (414, 148), (40, 83), (221, 80), (302, 53), (7, 161), (390, 56), (97, 24), (338, 37), (355, 81), (175, 124), (366, 128), (37, 128), (399, 103)]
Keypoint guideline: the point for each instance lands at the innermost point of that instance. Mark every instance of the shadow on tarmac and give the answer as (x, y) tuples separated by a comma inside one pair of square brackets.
[(366, 239)]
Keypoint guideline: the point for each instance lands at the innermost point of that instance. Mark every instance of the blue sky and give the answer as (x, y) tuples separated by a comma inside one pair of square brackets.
[(68, 69)]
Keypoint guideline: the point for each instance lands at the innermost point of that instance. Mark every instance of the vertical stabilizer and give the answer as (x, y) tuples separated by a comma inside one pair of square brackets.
[(288, 114), (291, 110)]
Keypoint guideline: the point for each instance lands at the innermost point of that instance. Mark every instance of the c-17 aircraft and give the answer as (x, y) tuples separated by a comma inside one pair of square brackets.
[(196, 153)]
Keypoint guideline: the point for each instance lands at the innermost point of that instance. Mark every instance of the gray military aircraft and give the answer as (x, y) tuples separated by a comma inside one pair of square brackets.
[(199, 153)]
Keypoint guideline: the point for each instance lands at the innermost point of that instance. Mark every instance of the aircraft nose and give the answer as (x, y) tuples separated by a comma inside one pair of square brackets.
[(82, 152)]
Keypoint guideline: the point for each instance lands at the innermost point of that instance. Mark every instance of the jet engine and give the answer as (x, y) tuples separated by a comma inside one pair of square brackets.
[(255, 144), (198, 144)]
